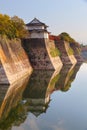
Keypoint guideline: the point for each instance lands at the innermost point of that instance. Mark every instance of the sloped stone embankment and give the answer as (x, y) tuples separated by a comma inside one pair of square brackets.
[(14, 63)]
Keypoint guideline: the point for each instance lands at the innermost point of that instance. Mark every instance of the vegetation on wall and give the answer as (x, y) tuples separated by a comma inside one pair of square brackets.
[(12, 27), (54, 52), (70, 51), (55, 80)]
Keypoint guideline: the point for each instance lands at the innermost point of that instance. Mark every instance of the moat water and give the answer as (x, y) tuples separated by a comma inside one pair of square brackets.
[(46, 100)]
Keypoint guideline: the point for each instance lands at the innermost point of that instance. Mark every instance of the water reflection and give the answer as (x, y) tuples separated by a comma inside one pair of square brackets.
[(32, 94), (10, 97), (35, 92), (64, 79)]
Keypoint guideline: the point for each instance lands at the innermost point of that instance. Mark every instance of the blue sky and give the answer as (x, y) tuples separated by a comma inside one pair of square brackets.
[(60, 15)]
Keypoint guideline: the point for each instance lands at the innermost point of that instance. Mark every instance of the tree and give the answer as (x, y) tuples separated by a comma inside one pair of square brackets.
[(66, 37), (19, 26), (12, 27)]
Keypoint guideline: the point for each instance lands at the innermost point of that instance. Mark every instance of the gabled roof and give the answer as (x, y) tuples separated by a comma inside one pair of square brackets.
[(35, 21)]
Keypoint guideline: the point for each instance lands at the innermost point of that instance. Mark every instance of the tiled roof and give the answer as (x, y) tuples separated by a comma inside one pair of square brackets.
[(35, 21)]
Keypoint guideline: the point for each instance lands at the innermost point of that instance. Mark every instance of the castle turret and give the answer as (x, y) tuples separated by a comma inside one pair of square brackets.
[(37, 29)]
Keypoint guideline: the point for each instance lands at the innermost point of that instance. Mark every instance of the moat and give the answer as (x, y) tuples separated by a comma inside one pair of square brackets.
[(46, 100)]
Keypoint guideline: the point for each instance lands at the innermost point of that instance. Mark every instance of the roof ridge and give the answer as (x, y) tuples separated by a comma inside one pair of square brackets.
[(37, 22), (35, 19)]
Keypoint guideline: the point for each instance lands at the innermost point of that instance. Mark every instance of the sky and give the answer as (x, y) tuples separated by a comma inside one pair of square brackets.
[(60, 15)]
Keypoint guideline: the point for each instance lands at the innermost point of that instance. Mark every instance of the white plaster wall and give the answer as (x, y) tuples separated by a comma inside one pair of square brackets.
[(35, 27), (46, 35), (38, 35)]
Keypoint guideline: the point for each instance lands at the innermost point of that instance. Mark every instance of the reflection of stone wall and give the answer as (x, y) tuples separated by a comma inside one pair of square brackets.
[(70, 77), (32, 94), (62, 81), (62, 77), (3, 90), (3, 77), (10, 96), (38, 84), (35, 92)]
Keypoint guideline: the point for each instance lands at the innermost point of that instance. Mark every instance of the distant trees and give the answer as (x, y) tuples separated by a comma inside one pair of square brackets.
[(12, 27)]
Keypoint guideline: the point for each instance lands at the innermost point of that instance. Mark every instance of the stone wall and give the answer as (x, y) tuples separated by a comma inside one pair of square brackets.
[(42, 53), (14, 62), (77, 50), (64, 55), (16, 57), (10, 96), (54, 58), (37, 53), (70, 52)]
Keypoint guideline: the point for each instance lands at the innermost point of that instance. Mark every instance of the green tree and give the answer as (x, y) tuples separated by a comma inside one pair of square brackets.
[(66, 37), (12, 27), (19, 27)]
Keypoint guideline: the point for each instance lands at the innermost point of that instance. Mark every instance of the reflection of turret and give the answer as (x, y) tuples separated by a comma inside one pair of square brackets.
[(38, 106), (10, 102), (35, 92)]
